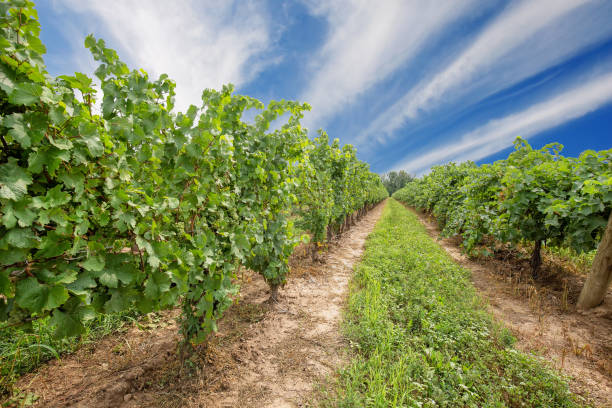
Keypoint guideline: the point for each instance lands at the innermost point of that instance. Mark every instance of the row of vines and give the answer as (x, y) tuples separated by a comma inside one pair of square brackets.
[(533, 196), (110, 200)]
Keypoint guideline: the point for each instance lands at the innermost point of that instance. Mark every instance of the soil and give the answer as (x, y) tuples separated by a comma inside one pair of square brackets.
[(265, 354), (542, 314)]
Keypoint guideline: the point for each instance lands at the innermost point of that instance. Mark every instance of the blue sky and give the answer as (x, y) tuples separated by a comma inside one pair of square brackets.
[(410, 83)]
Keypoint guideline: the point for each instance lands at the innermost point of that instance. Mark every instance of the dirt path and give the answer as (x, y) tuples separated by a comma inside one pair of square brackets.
[(578, 344), (263, 356)]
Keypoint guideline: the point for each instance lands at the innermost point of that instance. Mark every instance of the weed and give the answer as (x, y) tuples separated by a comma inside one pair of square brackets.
[(22, 351)]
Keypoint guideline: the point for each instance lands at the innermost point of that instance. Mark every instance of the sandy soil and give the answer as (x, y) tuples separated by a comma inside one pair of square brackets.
[(264, 355), (542, 316)]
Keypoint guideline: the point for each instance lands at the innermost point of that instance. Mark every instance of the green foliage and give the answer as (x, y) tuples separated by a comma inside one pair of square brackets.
[(533, 195), (395, 180), (422, 337), (334, 186), (316, 199), (135, 206)]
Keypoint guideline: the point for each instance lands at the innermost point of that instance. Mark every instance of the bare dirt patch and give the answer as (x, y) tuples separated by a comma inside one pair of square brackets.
[(264, 355), (542, 314)]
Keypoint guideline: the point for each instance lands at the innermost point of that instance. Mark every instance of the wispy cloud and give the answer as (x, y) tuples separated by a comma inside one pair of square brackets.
[(369, 41), (499, 133), (384, 71), (200, 44), (523, 40)]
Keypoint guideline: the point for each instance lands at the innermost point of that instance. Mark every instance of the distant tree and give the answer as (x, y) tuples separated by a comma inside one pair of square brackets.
[(394, 180)]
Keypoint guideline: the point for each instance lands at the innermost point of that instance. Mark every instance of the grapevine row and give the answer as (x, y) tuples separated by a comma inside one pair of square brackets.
[(534, 196), (110, 200)]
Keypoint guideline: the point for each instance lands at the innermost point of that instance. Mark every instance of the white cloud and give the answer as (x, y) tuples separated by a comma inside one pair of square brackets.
[(369, 41), (523, 40), (498, 134), (199, 44)]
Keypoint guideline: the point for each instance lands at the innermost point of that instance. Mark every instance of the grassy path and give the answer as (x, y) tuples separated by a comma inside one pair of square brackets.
[(422, 336)]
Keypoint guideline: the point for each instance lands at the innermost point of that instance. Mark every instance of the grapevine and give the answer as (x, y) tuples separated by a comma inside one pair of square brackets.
[(536, 196), (135, 205)]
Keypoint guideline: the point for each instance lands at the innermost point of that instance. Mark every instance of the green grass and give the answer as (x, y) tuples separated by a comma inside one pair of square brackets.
[(422, 337), (578, 262), (22, 351)]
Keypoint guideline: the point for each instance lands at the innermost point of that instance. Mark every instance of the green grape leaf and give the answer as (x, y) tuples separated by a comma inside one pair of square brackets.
[(118, 301), (24, 215), (11, 256), (48, 157), (9, 220), (31, 295), (66, 276), (25, 93), (83, 282), (56, 197), (56, 297), (51, 245), (20, 238), (17, 129), (157, 284), (66, 324), (93, 263), (91, 138), (109, 279), (14, 180), (7, 78)]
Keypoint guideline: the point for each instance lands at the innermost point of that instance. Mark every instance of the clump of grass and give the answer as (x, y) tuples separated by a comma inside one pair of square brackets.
[(577, 262), (22, 351), (422, 337)]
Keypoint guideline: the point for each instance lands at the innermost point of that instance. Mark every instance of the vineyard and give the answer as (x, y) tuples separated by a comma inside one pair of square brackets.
[(117, 210), (534, 197), (111, 201), (137, 206)]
